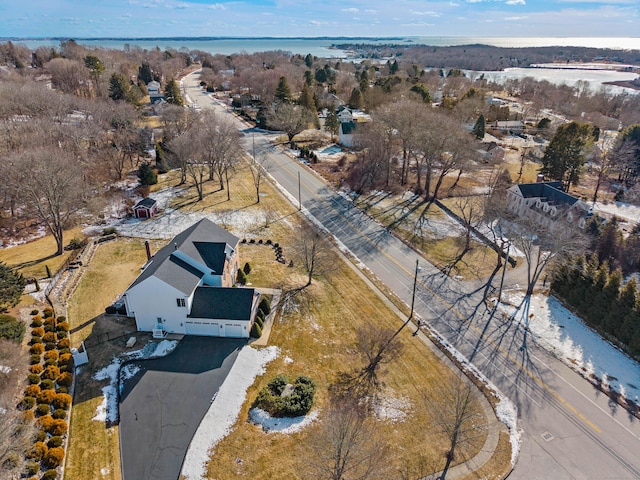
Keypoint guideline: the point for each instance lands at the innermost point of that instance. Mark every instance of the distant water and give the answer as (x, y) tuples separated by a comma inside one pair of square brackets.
[(321, 47)]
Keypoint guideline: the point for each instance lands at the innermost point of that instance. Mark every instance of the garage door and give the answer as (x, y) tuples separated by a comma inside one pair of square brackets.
[(232, 330), (202, 328)]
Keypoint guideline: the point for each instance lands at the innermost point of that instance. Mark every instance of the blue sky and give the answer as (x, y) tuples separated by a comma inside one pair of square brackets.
[(310, 18)]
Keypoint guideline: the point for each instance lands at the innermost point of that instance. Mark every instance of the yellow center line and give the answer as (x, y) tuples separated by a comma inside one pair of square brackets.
[(450, 307)]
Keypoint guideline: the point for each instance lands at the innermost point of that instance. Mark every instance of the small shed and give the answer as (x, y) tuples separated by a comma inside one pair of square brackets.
[(145, 208)]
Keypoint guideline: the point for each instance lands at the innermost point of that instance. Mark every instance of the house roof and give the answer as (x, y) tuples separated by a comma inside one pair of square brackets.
[(146, 203), (222, 303), (204, 241), (550, 191)]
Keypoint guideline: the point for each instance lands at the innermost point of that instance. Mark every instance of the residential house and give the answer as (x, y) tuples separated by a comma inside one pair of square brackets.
[(187, 287), (155, 94), (547, 205), (512, 127)]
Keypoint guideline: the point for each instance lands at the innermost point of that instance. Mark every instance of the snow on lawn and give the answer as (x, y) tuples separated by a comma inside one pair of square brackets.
[(108, 408), (558, 330), (225, 408), (281, 425)]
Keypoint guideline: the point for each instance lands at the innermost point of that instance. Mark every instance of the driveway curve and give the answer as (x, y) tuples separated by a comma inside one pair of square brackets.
[(162, 405)]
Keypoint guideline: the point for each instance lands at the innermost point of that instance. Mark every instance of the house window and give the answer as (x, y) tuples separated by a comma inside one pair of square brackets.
[(180, 302)]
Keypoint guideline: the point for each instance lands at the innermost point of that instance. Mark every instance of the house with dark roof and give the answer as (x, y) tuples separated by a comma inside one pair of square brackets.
[(547, 204), (187, 287), (145, 208)]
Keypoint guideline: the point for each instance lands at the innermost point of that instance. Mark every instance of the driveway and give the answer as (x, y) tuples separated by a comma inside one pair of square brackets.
[(163, 404)]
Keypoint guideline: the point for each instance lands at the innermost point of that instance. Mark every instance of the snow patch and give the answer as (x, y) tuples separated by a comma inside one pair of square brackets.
[(281, 425), (225, 407), (288, 360), (391, 408)]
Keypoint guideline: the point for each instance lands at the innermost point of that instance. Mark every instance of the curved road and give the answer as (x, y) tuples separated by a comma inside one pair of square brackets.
[(569, 429)]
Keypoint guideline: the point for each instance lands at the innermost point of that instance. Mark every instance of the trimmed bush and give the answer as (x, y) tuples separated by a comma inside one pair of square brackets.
[(36, 340), (35, 312), (61, 401), (31, 391), (64, 343), (47, 384), (63, 327), (62, 351), (46, 396), (298, 402), (35, 359), (27, 403), (51, 373), (54, 457), (265, 305), (28, 416), (37, 332), (36, 321), (65, 379), (37, 451), (49, 475), (247, 268), (66, 368), (59, 414), (61, 319), (241, 278), (45, 423), (55, 442), (261, 315), (50, 346), (36, 349), (31, 468), (62, 334), (49, 337), (53, 354), (65, 359), (47, 312), (43, 409), (36, 368), (62, 390), (51, 361), (39, 436), (33, 379), (260, 322), (58, 428), (256, 331)]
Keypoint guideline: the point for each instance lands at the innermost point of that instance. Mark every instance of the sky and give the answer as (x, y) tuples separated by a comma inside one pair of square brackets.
[(314, 18)]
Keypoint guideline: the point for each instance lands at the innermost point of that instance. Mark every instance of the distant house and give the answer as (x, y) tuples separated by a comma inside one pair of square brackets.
[(145, 208), (346, 134), (492, 152), (153, 89), (187, 287), (547, 204), (509, 126)]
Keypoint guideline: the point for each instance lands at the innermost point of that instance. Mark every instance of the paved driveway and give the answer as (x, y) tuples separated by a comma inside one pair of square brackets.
[(163, 404)]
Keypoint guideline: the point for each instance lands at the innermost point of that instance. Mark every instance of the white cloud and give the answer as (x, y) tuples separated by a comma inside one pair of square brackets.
[(370, 11), (318, 23), (515, 2), (425, 14), (217, 6), (514, 19), (350, 10), (418, 24)]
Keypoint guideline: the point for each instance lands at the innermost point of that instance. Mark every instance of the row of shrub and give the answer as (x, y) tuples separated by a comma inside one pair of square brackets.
[(264, 308), (280, 401), (46, 398)]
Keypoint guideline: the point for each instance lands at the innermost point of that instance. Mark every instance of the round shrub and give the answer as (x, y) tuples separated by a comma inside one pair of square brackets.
[(37, 332), (61, 401), (265, 305), (43, 409), (63, 327), (37, 451), (50, 346), (54, 442), (65, 359), (35, 312), (48, 327), (34, 359), (51, 373), (66, 369), (62, 351), (256, 331), (37, 348), (62, 334), (65, 379), (47, 384), (36, 341), (241, 277), (51, 361), (49, 475), (31, 468), (33, 379), (59, 414), (31, 391), (64, 343), (61, 319), (36, 321), (53, 354), (296, 403), (46, 396), (49, 337), (62, 390), (247, 268), (54, 457), (260, 322), (39, 436), (58, 428), (27, 403), (47, 312), (28, 416), (37, 369)]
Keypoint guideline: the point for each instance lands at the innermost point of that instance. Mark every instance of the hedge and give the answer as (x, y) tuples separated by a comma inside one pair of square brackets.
[(256, 331), (47, 312), (50, 346), (39, 436), (265, 305), (45, 423), (35, 311), (31, 468), (65, 359), (36, 341)]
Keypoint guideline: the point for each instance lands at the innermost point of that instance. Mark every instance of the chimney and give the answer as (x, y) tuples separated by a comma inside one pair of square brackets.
[(148, 249)]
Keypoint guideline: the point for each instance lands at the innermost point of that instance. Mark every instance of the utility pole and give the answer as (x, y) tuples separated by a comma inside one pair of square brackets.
[(299, 200), (504, 271)]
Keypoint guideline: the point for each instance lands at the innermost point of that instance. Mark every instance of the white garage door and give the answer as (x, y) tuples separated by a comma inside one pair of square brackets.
[(202, 328), (233, 330)]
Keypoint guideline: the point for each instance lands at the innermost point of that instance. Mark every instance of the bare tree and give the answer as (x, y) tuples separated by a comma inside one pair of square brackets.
[(291, 119), (312, 251), (69, 76), (346, 446), (457, 415), (52, 184), (182, 151)]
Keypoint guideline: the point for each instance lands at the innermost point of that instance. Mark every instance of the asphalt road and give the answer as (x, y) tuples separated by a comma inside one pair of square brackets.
[(162, 406), (569, 429)]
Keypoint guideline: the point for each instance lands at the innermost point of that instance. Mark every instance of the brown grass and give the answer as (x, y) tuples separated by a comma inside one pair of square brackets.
[(499, 465)]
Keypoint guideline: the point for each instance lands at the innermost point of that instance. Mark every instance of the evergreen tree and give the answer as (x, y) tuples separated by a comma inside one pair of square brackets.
[(331, 123), (625, 310), (283, 92), (306, 98), (308, 78), (146, 175), (162, 163), (422, 90), (308, 60), (95, 66), (478, 128), (565, 155), (393, 68), (172, 93), (144, 73), (356, 100), (321, 75), (11, 286), (118, 86)]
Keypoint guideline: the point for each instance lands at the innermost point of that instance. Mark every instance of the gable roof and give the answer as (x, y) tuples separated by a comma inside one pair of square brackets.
[(222, 303), (551, 191), (204, 241), (146, 203)]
